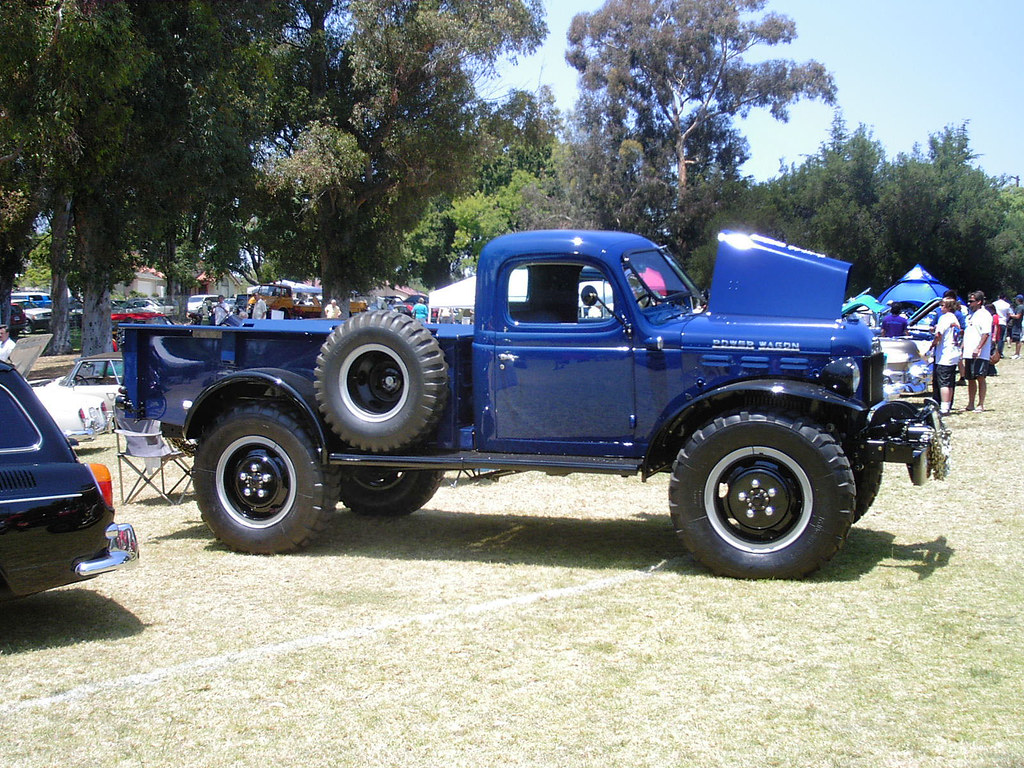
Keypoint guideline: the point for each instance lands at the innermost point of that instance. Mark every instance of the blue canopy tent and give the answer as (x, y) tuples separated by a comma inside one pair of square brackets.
[(916, 287)]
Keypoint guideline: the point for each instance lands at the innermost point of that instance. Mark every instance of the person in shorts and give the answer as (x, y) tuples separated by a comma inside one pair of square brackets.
[(1016, 322), (947, 353), (977, 347)]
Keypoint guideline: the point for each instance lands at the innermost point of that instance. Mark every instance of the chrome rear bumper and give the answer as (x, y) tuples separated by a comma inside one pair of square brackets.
[(122, 549)]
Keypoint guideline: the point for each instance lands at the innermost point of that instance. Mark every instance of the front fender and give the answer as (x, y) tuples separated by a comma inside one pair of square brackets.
[(769, 394), (277, 383)]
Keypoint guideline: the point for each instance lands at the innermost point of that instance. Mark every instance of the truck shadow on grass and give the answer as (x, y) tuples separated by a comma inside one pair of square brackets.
[(629, 543), (63, 618)]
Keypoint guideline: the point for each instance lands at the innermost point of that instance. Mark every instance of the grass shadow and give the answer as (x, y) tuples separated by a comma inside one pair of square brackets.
[(62, 618), (868, 549), (627, 543)]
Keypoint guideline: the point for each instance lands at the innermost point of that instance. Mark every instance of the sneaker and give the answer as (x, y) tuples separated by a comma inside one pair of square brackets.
[(980, 409), (1015, 357)]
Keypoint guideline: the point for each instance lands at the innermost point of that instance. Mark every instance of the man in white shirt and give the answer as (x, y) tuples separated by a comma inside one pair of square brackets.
[(1003, 316), (220, 311), (259, 308), (6, 344), (947, 352), (977, 336)]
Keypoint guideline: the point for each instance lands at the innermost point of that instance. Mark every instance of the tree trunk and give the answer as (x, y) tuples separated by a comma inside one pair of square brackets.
[(60, 225), (96, 323)]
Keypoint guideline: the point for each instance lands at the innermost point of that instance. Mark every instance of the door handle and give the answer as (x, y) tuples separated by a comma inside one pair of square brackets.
[(508, 357)]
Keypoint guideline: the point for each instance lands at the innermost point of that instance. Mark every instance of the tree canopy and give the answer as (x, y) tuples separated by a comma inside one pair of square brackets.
[(349, 140)]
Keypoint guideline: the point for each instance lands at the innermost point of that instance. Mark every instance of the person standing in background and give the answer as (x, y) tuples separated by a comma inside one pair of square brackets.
[(7, 344), (420, 310), (1002, 307), (947, 354), (976, 350), (220, 311), (259, 307)]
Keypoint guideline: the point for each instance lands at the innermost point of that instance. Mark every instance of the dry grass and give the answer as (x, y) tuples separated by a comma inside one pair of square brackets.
[(521, 623)]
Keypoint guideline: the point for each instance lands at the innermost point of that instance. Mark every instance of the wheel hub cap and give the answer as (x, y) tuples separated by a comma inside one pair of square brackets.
[(757, 498), (259, 481)]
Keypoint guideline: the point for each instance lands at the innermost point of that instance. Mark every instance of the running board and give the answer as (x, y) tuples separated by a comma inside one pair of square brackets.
[(515, 462)]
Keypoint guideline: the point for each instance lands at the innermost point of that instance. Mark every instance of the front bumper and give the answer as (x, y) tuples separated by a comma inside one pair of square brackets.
[(915, 436), (122, 550)]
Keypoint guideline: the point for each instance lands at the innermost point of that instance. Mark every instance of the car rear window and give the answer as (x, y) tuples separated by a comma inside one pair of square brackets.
[(19, 433)]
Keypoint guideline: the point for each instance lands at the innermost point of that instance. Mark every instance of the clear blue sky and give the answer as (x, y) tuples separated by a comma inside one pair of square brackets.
[(904, 68)]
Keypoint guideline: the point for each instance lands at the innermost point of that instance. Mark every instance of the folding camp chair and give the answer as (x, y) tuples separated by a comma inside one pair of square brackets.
[(142, 450)]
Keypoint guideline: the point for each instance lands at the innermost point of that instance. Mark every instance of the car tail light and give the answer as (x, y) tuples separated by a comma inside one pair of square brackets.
[(81, 417), (103, 481)]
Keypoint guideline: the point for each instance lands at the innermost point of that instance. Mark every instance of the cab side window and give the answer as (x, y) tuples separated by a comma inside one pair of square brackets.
[(549, 293)]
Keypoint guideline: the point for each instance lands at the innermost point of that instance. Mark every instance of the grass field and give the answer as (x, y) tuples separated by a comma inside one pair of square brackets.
[(543, 622)]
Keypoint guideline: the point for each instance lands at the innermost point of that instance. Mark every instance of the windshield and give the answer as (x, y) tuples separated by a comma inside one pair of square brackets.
[(655, 278)]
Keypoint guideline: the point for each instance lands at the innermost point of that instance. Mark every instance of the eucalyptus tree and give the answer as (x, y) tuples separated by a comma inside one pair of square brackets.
[(378, 115), (663, 81)]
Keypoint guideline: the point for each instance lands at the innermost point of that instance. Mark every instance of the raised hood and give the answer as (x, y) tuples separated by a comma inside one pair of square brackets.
[(758, 276)]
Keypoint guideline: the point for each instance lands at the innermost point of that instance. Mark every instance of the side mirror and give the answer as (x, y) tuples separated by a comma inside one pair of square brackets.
[(588, 296)]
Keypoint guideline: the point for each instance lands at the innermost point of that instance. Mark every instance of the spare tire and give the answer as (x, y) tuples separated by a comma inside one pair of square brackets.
[(381, 381)]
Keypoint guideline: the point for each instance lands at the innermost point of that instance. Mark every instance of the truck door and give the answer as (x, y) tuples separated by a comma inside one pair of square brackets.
[(561, 376)]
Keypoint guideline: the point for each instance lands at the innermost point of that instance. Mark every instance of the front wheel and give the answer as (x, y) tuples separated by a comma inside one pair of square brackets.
[(388, 493), (259, 482), (762, 495)]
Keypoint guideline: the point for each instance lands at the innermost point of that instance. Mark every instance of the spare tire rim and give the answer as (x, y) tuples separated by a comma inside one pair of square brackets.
[(758, 499), (256, 481), (373, 382)]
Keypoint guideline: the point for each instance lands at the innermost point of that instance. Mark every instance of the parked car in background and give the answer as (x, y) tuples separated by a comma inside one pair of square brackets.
[(194, 302), (40, 298), (159, 306), (37, 317), (56, 514), (80, 415), (98, 375), (17, 322)]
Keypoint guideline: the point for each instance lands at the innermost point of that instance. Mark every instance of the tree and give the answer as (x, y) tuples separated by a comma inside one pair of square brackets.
[(378, 116), (663, 81), (940, 210)]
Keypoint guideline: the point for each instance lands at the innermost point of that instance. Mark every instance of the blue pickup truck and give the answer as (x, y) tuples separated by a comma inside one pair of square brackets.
[(589, 352)]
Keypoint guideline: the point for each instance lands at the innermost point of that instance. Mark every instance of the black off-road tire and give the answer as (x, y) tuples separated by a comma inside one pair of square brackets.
[(381, 381), (762, 495), (383, 492), (869, 481), (260, 485)]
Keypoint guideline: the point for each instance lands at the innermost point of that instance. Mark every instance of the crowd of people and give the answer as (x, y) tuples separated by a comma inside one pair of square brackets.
[(969, 342)]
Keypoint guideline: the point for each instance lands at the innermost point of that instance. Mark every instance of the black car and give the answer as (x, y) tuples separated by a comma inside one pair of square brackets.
[(56, 514)]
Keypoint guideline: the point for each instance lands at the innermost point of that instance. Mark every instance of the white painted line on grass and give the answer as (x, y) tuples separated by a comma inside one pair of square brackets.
[(223, 661)]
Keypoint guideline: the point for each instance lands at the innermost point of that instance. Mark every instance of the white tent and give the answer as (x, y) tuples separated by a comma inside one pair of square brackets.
[(460, 295)]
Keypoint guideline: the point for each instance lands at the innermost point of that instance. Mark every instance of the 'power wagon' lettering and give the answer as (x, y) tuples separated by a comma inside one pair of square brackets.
[(792, 346)]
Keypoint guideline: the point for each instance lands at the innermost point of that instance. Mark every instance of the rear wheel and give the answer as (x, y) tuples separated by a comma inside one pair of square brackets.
[(762, 495), (388, 493), (259, 482)]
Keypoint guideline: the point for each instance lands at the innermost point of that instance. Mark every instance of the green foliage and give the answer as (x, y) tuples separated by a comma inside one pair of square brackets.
[(662, 83), (933, 208)]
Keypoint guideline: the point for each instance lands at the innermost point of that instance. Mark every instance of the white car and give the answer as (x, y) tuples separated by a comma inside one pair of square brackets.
[(150, 305), (79, 415), (94, 375), (194, 302), (37, 316), (82, 402)]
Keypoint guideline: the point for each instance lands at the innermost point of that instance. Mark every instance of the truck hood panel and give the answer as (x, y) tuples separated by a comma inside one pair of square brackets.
[(757, 276)]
